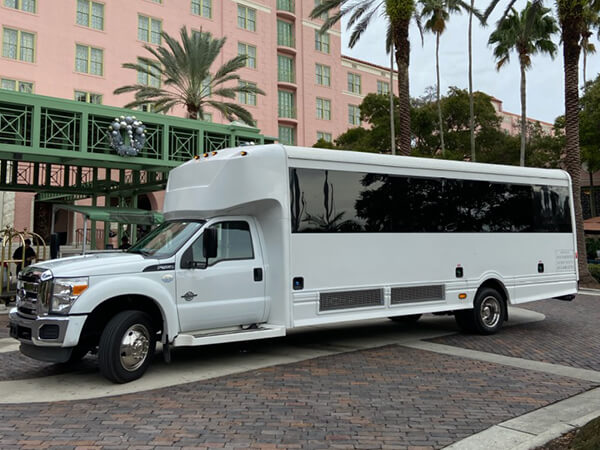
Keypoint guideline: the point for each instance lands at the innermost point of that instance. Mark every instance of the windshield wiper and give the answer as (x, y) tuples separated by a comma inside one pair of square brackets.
[(140, 251)]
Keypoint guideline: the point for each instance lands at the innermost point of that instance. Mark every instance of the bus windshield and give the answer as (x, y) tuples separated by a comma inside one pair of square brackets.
[(166, 239)]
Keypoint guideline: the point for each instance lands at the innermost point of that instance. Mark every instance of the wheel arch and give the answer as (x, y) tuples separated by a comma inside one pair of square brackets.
[(97, 320)]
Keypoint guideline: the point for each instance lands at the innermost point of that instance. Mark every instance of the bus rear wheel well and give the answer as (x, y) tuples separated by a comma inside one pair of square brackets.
[(104, 312), (498, 286)]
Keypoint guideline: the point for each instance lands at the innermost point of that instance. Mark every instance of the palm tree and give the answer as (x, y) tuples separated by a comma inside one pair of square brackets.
[(571, 17), (184, 70), (399, 14), (438, 13), (526, 33)]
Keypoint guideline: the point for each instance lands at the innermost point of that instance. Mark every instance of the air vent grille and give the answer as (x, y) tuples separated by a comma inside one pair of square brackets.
[(331, 301), (415, 294)]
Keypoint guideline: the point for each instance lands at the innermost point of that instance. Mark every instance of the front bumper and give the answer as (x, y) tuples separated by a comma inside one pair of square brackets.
[(50, 331)]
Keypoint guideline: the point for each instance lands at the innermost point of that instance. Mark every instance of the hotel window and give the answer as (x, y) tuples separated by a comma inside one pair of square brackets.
[(150, 76), (16, 85), (285, 69), (90, 14), (149, 29), (202, 8), (89, 60), (325, 14), (286, 104), (88, 97), (285, 5), (353, 115), (246, 18), (285, 33), (323, 75), (321, 41), (247, 98), (324, 136), (23, 5), (206, 87), (354, 83), (250, 52), (286, 135), (17, 44), (383, 87), (323, 109)]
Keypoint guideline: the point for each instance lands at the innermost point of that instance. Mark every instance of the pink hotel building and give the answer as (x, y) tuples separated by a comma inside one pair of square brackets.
[(75, 48)]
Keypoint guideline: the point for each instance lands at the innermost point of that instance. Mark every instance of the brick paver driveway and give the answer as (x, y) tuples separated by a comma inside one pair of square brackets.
[(387, 397)]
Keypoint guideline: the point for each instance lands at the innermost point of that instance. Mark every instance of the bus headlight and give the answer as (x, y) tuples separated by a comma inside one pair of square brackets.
[(64, 293)]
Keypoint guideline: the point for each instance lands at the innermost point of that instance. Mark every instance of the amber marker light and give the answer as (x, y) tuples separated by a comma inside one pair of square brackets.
[(243, 153), (196, 157), (462, 296), (214, 153), (205, 155)]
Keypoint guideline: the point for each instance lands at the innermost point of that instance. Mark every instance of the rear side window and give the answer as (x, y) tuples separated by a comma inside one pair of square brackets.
[(234, 243)]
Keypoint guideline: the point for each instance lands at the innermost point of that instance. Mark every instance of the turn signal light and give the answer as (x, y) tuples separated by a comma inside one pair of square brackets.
[(205, 155), (214, 153), (243, 153), (196, 157), (462, 296)]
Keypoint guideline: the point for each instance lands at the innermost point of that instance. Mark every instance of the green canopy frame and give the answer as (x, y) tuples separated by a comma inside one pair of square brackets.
[(133, 216)]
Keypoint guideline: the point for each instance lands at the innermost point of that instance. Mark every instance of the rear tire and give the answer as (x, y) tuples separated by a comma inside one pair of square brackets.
[(407, 320), (126, 346), (487, 315)]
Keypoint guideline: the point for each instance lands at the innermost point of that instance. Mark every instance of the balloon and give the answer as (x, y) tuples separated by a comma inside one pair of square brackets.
[(115, 133)]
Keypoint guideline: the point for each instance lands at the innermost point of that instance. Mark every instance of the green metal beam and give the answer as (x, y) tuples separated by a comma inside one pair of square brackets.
[(49, 145)]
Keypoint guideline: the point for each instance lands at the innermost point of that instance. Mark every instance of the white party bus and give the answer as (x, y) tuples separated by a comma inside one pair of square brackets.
[(261, 239)]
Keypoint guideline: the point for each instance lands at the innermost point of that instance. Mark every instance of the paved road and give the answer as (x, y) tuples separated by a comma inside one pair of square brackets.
[(366, 386)]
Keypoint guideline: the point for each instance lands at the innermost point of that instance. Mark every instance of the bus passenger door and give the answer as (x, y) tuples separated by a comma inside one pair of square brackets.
[(228, 290)]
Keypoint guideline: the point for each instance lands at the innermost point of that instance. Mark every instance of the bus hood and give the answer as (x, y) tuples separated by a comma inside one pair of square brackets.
[(95, 264)]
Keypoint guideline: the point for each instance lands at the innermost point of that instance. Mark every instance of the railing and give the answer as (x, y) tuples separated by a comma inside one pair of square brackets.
[(38, 127)]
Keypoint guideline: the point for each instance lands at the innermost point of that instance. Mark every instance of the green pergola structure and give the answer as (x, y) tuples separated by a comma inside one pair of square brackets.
[(60, 150)]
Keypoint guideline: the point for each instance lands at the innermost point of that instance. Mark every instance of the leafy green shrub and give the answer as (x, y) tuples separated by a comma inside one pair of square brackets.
[(592, 246), (595, 271)]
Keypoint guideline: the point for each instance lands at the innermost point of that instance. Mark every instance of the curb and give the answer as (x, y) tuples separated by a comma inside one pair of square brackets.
[(538, 427), (588, 291)]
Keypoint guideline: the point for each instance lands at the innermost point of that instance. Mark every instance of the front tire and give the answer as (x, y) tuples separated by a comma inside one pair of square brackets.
[(487, 315), (126, 346)]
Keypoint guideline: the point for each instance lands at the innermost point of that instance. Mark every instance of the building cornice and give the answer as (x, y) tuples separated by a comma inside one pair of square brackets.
[(316, 26), (364, 66), (254, 5)]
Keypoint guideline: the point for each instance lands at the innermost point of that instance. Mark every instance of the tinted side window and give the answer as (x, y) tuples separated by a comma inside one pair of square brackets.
[(234, 242), (326, 201)]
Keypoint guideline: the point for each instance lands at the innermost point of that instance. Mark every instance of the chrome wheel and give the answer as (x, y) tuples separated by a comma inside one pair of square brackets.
[(490, 311), (134, 348)]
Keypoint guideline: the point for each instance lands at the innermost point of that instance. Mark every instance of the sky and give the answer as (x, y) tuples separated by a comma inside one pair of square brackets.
[(545, 91)]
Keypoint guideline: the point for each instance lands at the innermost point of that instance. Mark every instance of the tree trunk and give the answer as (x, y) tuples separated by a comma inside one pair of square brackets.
[(592, 199), (471, 102), (570, 24), (392, 124), (400, 33), (439, 103), (192, 112), (523, 115)]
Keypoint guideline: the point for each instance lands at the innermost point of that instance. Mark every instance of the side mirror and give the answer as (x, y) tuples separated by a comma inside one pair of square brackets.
[(209, 243)]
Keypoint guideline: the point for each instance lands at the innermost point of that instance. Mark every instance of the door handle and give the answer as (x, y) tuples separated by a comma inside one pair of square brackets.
[(189, 296), (258, 274)]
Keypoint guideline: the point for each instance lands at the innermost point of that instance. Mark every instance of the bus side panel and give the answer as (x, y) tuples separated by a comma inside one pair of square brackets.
[(335, 262)]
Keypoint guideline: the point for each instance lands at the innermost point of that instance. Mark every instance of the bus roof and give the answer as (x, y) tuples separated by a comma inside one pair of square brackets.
[(409, 162)]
